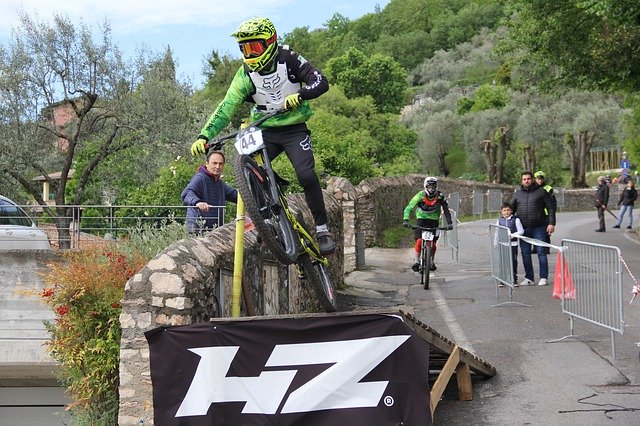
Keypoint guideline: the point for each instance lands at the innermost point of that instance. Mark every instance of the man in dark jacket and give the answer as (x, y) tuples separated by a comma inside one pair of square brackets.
[(207, 193), (602, 200), (529, 204)]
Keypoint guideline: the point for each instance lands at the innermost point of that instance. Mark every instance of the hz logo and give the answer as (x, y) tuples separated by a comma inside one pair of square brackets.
[(335, 388)]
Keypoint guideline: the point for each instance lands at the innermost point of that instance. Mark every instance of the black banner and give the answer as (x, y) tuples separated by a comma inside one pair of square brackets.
[(355, 370)]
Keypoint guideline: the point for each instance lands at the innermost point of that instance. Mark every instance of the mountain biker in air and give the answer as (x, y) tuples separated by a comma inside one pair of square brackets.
[(428, 204), (274, 77)]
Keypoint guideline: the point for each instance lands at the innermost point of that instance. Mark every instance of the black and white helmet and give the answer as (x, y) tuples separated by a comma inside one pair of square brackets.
[(430, 186)]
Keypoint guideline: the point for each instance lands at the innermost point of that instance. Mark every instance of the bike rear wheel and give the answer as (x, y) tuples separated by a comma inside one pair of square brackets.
[(267, 214), (317, 274)]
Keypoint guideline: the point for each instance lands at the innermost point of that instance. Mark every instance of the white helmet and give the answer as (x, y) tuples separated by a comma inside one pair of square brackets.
[(430, 186)]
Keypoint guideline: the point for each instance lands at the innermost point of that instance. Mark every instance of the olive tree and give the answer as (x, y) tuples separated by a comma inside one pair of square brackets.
[(70, 102)]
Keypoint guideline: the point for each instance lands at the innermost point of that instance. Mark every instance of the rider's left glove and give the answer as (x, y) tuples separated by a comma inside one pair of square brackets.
[(292, 101), (450, 226), (198, 147)]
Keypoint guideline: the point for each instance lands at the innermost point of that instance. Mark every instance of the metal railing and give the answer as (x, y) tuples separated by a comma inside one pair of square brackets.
[(589, 275), (592, 287), (95, 223)]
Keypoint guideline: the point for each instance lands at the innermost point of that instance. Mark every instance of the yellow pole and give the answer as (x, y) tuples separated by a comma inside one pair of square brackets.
[(238, 258)]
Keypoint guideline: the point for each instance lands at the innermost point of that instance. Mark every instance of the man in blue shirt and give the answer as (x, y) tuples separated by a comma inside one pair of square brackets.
[(207, 193)]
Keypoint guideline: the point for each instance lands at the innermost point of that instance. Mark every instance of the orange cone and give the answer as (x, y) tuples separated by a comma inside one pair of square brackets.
[(569, 289)]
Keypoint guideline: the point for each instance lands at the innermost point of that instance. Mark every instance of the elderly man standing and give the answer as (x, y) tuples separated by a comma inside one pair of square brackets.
[(602, 200), (537, 212)]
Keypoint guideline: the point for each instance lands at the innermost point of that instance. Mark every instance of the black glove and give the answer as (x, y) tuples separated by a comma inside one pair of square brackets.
[(450, 226), (405, 223)]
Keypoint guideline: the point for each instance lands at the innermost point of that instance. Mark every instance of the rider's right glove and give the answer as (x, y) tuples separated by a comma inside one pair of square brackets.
[(292, 101), (405, 223), (198, 147), (450, 226)]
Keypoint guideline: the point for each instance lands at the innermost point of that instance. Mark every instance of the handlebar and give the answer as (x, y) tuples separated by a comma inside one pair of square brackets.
[(422, 228), (216, 143)]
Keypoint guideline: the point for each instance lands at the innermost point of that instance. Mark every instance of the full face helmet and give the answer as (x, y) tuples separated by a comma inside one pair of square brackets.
[(430, 186), (257, 40)]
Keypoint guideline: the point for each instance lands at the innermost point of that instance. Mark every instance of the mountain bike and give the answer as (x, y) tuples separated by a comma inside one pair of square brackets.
[(426, 251), (283, 231)]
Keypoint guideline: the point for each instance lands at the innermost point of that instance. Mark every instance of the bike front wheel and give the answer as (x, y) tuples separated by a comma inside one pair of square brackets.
[(267, 213), (426, 263), (317, 274)]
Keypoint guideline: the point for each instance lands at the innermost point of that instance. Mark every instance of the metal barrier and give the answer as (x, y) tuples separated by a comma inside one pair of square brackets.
[(502, 262), (454, 202), (94, 223), (452, 236), (478, 202), (494, 200), (559, 193), (592, 287)]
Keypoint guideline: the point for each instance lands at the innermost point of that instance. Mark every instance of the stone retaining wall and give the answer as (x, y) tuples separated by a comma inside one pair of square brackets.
[(179, 285)]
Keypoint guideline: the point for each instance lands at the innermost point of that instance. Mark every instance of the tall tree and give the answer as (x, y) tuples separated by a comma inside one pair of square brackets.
[(378, 76), (71, 102), (588, 44)]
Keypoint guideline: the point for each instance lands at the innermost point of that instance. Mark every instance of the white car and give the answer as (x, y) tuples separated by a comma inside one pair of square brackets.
[(18, 231)]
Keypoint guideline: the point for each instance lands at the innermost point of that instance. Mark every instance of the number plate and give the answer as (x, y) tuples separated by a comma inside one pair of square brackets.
[(427, 235), (249, 141)]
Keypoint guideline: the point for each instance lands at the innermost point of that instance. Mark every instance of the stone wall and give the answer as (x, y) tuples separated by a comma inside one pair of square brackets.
[(179, 286), (378, 203)]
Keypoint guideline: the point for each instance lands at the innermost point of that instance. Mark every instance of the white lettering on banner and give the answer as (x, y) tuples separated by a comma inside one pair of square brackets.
[(336, 387)]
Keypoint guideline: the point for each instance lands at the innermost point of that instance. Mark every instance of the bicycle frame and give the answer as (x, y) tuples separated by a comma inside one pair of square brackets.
[(307, 242)]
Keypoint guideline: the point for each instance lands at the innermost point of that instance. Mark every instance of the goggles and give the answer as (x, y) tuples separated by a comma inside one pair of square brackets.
[(255, 48)]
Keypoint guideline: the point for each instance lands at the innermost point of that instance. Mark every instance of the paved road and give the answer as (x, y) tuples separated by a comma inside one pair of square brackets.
[(573, 382)]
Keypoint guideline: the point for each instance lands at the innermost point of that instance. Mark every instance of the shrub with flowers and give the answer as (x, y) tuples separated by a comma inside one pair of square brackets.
[(85, 291)]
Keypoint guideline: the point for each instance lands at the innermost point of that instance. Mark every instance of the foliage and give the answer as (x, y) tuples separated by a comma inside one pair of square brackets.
[(377, 75), (351, 139), (150, 239), (85, 291), (485, 97), (585, 44)]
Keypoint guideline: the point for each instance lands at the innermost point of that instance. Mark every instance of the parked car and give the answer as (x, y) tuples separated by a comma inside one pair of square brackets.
[(18, 231)]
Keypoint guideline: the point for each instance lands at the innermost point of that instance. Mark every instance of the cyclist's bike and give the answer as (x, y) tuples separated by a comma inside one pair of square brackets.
[(426, 252), (283, 231)]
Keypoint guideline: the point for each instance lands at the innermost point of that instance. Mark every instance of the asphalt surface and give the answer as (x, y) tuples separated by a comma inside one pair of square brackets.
[(572, 382)]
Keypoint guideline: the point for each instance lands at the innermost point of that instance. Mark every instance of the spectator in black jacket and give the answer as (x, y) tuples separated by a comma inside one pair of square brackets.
[(602, 199), (529, 203)]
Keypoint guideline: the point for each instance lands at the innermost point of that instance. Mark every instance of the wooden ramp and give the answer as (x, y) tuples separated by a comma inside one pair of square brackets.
[(444, 356), (449, 358)]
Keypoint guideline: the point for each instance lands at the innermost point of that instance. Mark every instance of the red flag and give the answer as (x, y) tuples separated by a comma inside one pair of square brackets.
[(569, 289)]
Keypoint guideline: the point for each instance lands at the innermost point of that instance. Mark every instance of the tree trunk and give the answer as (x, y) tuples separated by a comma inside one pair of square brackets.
[(489, 159), (528, 158), (570, 142), (442, 166), (578, 147), (585, 142), (503, 146)]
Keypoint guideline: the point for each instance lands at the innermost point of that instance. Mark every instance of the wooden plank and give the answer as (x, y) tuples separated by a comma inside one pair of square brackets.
[(443, 379), (465, 388), (446, 346)]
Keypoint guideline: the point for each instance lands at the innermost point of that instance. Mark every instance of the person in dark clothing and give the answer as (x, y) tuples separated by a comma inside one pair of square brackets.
[(207, 193), (602, 199), (627, 198), (275, 78), (529, 203)]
